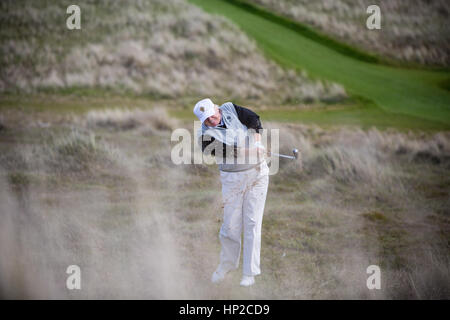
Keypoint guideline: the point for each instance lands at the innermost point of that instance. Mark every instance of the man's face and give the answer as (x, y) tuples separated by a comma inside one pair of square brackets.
[(214, 120)]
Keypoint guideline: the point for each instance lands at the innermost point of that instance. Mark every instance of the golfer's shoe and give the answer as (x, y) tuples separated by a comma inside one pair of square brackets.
[(218, 276), (247, 281)]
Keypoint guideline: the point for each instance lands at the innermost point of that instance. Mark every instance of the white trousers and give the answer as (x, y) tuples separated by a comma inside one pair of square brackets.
[(244, 196)]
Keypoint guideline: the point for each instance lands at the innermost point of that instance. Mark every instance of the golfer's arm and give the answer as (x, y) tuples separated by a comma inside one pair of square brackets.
[(251, 120), (252, 149)]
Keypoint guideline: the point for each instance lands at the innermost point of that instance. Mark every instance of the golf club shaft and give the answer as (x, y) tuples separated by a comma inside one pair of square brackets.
[(282, 155)]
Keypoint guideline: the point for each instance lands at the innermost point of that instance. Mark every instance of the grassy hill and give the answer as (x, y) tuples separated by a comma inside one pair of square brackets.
[(412, 32), (154, 49), (397, 91)]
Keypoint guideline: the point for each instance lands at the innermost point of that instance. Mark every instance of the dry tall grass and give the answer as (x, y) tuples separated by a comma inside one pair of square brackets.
[(164, 49)]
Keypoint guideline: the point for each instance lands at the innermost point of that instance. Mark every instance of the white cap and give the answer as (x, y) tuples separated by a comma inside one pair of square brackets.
[(204, 109)]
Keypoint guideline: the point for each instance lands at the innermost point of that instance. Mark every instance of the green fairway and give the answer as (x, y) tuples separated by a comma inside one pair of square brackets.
[(365, 117), (403, 95)]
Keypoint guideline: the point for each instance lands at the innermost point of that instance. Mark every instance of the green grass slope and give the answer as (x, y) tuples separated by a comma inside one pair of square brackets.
[(413, 93)]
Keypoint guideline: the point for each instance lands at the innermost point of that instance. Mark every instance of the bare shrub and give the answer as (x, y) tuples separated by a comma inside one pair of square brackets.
[(18, 159), (77, 152), (156, 119), (372, 161)]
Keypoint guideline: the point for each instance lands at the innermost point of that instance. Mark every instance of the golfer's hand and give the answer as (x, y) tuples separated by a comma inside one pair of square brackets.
[(260, 150)]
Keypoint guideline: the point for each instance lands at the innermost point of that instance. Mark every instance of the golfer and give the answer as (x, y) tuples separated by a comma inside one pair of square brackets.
[(231, 134)]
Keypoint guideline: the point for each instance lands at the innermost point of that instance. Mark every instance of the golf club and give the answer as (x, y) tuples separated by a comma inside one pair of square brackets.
[(293, 157)]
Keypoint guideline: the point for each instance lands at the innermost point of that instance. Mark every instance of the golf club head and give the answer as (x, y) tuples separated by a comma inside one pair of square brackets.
[(298, 157)]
